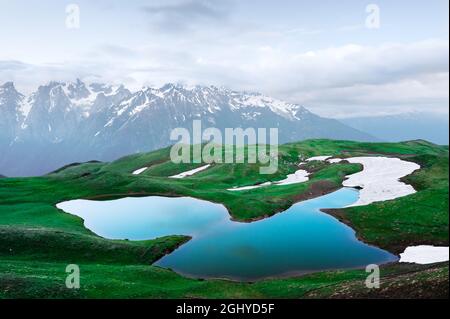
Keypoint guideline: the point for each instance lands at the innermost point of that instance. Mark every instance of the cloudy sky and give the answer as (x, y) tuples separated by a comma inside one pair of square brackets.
[(321, 54)]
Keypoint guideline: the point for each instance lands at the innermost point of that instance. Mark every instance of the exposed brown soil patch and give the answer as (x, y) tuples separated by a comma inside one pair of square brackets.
[(426, 282), (317, 189)]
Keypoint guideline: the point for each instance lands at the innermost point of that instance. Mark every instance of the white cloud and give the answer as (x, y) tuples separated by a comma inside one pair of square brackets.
[(337, 81), (181, 16)]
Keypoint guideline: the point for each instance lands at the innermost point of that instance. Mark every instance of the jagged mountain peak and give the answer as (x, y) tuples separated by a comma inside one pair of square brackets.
[(86, 99), (78, 94), (9, 96), (77, 90), (8, 86), (63, 122), (209, 98)]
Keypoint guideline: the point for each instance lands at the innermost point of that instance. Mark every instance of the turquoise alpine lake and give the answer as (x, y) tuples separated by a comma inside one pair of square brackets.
[(300, 240)]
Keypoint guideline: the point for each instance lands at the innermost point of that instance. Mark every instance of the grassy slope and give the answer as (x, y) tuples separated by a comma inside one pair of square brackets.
[(212, 184), (31, 228), (421, 218), (55, 245), (20, 279)]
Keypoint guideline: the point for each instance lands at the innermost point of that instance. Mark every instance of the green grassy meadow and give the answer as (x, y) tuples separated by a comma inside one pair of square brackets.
[(37, 240)]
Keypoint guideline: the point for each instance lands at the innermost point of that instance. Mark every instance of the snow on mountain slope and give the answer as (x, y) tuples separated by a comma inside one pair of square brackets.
[(287, 110), (12, 114), (63, 122)]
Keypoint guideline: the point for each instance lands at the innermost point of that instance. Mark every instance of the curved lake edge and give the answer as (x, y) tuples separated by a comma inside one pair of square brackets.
[(187, 238), (314, 191), (289, 274), (397, 249)]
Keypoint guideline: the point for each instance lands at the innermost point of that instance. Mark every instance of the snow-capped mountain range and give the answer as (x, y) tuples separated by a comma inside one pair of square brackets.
[(62, 123)]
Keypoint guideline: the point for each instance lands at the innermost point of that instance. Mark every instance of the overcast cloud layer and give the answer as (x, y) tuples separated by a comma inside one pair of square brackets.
[(323, 57)]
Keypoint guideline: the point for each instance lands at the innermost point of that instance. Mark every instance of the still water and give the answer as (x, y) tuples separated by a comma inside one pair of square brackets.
[(299, 240)]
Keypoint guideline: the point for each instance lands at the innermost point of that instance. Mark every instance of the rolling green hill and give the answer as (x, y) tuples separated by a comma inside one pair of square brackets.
[(37, 240)]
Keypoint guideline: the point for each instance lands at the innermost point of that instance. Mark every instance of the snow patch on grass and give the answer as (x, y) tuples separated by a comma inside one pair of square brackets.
[(140, 171), (335, 160), (299, 176), (246, 188), (379, 179), (191, 172), (424, 255)]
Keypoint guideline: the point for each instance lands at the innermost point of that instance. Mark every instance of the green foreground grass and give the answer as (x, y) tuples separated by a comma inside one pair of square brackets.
[(37, 240), (35, 279)]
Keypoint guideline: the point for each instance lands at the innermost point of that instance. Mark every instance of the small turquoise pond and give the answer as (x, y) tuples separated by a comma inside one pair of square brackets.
[(297, 241)]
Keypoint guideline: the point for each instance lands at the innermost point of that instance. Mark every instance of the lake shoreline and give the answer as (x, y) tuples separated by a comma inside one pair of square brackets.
[(397, 248)]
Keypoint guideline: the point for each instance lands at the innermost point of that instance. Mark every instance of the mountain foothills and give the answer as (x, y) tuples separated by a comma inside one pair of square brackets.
[(63, 123)]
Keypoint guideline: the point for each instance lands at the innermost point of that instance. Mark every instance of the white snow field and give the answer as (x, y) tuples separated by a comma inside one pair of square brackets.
[(140, 171), (299, 176), (191, 172), (379, 179), (424, 255), (246, 188)]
